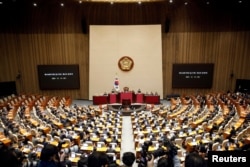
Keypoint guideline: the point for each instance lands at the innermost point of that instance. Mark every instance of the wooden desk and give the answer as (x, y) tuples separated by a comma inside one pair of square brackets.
[(145, 132), (6, 141), (58, 124), (100, 149), (242, 112), (34, 122), (27, 134), (197, 122), (191, 145), (46, 130), (205, 141), (76, 139), (183, 135), (87, 149), (95, 139), (217, 122), (78, 129), (239, 123), (179, 112), (55, 143), (138, 151), (227, 131), (74, 160)]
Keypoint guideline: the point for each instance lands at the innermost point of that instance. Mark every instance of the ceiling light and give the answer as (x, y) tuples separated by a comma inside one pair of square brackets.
[(186, 3), (240, 1), (170, 1), (35, 4), (207, 2), (124, 1), (62, 4)]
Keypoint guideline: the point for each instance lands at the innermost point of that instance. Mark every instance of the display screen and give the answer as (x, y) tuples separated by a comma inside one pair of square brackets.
[(192, 75), (7, 88), (58, 77), (242, 85)]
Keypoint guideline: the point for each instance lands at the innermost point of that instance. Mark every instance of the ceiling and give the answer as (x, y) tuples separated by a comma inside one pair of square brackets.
[(15, 13), (60, 3)]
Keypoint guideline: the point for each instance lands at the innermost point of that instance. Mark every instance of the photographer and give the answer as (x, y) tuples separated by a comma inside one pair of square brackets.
[(194, 160), (166, 152), (52, 157), (11, 156), (162, 162), (98, 159), (128, 159), (32, 160)]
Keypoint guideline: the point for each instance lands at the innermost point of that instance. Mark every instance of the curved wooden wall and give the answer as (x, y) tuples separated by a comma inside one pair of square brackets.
[(50, 34)]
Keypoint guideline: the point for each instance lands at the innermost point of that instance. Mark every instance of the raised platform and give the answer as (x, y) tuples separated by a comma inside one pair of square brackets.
[(132, 107), (113, 98), (126, 111)]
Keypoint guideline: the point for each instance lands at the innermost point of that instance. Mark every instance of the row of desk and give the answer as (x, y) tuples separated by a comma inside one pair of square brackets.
[(125, 96), (5, 140)]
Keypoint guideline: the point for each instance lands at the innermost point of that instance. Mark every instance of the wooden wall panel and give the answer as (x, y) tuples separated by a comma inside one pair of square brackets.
[(219, 48), (34, 49), (197, 34)]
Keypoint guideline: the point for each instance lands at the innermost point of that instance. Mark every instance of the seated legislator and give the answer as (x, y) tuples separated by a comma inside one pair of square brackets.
[(126, 89), (139, 91)]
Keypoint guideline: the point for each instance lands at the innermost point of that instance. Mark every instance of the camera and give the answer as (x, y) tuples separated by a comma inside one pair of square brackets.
[(167, 148)]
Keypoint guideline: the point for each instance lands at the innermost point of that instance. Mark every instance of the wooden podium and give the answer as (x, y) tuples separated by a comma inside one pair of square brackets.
[(100, 100), (126, 103), (126, 96), (112, 98), (139, 98), (152, 99)]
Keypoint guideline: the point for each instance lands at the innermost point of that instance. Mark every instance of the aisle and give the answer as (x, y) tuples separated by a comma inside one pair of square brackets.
[(127, 143)]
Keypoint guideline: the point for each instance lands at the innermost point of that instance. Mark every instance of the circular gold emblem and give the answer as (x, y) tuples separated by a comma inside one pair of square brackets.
[(126, 63)]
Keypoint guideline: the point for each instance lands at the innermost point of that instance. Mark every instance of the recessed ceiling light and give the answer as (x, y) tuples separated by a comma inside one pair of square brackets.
[(240, 1), (35, 4), (208, 3), (139, 2), (1, 2), (170, 1), (80, 1), (186, 3), (62, 4)]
